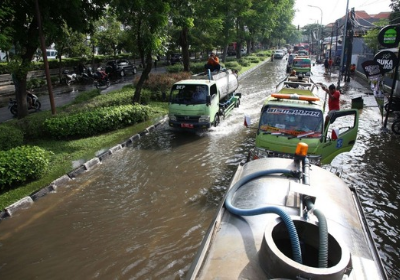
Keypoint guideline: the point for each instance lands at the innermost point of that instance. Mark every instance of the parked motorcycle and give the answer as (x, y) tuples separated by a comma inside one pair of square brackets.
[(69, 77), (13, 106), (87, 76), (396, 123), (395, 106)]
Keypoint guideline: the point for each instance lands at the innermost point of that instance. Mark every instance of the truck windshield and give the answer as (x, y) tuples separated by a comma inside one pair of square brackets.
[(189, 94), (302, 63), (281, 120)]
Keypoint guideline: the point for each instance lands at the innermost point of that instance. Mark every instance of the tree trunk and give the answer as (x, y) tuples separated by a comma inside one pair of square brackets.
[(143, 77), (185, 48), (19, 80)]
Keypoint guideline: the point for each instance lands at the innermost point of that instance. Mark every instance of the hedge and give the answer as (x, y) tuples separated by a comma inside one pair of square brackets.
[(22, 164), (10, 137), (94, 122)]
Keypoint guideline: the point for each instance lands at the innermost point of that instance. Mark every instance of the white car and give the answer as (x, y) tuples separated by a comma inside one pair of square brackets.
[(279, 54)]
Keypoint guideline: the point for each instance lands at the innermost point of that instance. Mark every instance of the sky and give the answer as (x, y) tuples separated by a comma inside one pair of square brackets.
[(334, 9)]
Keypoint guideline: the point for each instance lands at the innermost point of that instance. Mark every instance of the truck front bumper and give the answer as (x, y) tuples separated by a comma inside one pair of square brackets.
[(189, 125)]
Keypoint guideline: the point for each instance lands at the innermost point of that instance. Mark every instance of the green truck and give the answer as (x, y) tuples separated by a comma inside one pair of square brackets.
[(302, 65), (295, 114), (202, 101)]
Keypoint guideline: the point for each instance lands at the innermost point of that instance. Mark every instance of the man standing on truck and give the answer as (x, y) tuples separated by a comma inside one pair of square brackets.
[(213, 63), (333, 100)]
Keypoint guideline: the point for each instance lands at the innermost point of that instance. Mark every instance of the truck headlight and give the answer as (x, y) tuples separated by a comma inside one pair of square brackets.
[(172, 118), (204, 118)]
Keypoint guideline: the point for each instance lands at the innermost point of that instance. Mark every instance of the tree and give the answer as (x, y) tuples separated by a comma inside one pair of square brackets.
[(21, 21), (108, 34), (146, 22), (395, 15), (371, 38), (6, 31)]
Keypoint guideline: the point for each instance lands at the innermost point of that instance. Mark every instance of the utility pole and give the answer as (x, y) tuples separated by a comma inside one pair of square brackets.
[(343, 46), (349, 51), (330, 47)]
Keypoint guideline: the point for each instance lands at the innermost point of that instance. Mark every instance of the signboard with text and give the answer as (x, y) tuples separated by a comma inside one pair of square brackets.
[(387, 59), (372, 69), (389, 36)]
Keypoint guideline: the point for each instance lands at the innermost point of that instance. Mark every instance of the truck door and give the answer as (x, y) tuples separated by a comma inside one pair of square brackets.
[(340, 134)]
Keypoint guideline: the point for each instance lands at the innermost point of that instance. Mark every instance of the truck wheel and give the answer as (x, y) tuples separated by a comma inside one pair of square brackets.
[(216, 120)]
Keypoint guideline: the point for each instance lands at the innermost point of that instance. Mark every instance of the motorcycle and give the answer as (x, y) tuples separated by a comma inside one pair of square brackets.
[(13, 106), (101, 80), (395, 106), (69, 77), (87, 76)]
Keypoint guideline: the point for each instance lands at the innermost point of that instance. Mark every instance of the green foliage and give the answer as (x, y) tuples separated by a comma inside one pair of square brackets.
[(3, 68), (162, 82), (253, 59), (35, 83), (22, 164), (371, 38), (244, 62), (234, 65), (174, 68), (32, 125), (198, 67), (10, 137), (96, 121), (86, 96)]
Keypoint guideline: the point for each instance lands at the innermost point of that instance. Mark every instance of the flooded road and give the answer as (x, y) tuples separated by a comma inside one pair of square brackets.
[(143, 212)]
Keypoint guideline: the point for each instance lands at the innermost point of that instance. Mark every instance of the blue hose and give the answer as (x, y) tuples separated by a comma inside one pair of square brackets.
[(294, 238), (323, 235)]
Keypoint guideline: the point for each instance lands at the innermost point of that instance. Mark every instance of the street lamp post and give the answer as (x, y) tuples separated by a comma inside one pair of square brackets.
[(320, 38)]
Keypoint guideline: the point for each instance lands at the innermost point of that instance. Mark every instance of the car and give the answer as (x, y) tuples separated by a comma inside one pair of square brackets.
[(175, 58), (279, 54), (120, 67)]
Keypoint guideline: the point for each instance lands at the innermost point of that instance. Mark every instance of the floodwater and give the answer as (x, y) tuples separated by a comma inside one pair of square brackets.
[(143, 212)]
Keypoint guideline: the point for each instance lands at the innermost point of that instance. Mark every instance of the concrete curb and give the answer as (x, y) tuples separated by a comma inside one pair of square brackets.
[(27, 201)]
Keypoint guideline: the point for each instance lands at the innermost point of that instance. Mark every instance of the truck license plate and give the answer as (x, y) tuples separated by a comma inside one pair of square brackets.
[(186, 125)]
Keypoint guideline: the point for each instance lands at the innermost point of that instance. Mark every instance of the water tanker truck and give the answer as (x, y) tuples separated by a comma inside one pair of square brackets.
[(203, 100)]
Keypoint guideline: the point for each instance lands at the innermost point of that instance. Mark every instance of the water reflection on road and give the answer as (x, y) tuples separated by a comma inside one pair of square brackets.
[(143, 212)]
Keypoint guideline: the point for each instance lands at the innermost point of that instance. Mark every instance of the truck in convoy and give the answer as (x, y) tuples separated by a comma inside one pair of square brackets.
[(302, 65), (203, 100), (296, 114)]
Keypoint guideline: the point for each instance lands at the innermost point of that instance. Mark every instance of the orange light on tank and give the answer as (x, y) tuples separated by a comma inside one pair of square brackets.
[(301, 149)]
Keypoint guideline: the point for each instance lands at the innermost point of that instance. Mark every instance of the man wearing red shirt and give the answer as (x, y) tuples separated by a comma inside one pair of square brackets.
[(334, 97), (333, 101)]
